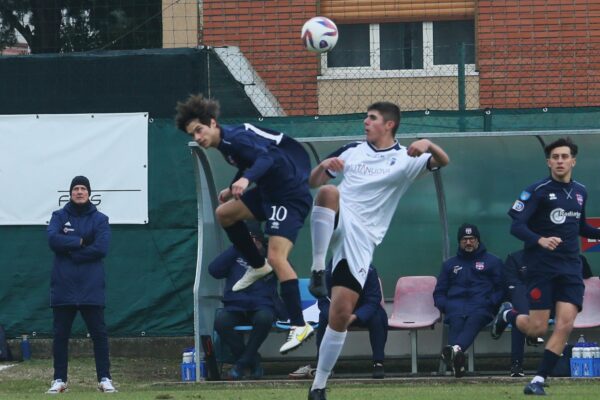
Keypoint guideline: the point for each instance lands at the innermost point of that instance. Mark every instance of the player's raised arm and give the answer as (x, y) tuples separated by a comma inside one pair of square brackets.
[(321, 174), (439, 158)]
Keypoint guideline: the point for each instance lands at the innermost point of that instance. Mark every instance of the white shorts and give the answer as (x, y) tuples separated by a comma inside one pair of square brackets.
[(350, 242)]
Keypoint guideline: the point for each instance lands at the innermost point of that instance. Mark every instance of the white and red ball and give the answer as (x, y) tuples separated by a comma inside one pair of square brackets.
[(319, 34)]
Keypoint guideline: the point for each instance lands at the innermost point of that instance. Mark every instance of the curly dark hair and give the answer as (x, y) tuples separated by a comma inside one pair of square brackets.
[(196, 107), (562, 142)]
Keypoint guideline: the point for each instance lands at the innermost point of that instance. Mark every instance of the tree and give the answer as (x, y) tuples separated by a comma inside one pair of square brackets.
[(54, 26)]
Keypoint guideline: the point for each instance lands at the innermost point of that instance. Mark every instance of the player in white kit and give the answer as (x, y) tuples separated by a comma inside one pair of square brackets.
[(355, 216)]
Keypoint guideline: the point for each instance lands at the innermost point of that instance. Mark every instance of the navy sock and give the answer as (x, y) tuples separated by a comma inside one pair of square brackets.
[(239, 235), (549, 360), (511, 317), (290, 293)]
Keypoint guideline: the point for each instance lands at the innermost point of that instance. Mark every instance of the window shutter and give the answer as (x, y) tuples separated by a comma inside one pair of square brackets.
[(373, 11)]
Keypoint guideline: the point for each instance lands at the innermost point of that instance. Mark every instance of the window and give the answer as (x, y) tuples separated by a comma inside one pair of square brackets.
[(400, 49), (353, 51), (401, 46), (447, 37)]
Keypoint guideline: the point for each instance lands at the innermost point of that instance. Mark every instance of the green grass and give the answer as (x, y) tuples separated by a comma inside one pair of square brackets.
[(152, 379)]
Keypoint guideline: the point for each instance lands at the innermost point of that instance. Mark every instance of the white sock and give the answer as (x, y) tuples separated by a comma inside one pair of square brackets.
[(322, 221), (538, 378), (456, 348), (329, 351)]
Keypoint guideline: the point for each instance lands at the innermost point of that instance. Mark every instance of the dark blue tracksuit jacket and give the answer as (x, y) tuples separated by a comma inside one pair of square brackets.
[(469, 284), (230, 265), (78, 270)]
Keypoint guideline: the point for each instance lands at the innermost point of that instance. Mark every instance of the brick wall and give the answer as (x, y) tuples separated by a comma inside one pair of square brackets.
[(268, 33), (538, 53)]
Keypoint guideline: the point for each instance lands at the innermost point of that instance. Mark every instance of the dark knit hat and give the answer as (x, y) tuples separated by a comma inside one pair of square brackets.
[(80, 180), (467, 230)]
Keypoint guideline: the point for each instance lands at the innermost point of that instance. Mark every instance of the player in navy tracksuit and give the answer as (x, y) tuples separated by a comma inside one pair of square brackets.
[(257, 305), (279, 167), (549, 217), (468, 291)]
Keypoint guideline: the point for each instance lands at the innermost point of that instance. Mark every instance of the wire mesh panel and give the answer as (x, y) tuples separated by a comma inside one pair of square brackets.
[(421, 54)]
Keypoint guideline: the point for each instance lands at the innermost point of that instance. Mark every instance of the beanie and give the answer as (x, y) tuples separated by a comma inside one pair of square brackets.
[(80, 180), (468, 230)]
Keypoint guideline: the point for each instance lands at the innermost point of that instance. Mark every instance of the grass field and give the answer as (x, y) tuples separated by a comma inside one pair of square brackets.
[(148, 379)]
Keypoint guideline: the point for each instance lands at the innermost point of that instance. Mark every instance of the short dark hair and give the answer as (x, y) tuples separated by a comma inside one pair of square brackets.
[(389, 112), (561, 143), (196, 107)]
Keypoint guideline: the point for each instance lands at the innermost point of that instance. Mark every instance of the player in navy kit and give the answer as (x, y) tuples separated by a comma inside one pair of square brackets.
[(549, 217), (279, 167), (355, 215)]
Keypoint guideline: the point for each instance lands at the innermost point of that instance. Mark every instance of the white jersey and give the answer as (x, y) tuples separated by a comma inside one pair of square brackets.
[(373, 183)]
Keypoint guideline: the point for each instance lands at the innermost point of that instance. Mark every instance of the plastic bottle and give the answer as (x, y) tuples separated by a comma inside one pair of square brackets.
[(25, 348), (576, 352), (581, 339)]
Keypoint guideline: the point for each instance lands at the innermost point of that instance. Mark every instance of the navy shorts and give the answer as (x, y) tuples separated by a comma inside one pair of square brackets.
[(284, 217), (554, 280)]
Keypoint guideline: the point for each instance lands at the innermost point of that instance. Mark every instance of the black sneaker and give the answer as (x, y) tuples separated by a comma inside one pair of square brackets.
[(447, 352), (378, 371), (317, 286), (458, 363), (316, 394), (516, 370), (534, 341), (455, 360), (499, 324)]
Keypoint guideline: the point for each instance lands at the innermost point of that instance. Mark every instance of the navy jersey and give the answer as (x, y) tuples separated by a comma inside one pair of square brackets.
[(551, 208), (278, 164)]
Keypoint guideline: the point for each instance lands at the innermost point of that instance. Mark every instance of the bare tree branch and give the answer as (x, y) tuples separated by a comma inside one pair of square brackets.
[(12, 20)]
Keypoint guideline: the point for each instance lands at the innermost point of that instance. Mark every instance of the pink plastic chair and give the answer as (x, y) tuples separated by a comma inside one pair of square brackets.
[(413, 309), (589, 317)]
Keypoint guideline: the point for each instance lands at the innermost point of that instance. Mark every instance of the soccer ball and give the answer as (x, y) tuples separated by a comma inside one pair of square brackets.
[(319, 34)]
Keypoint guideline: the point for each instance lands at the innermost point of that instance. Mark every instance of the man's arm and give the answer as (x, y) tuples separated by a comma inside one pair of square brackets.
[(439, 158), (320, 175), (98, 249), (441, 289), (371, 298), (498, 281), (521, 211), (58, 241), (220, 266)]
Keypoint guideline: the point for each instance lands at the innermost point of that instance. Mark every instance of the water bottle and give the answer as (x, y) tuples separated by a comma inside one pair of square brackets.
[(581, 340), (25, 348), (576, 352)]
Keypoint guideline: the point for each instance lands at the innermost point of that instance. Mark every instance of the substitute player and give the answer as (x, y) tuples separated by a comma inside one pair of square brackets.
[(549, 217), (355, 216), (279, 167)]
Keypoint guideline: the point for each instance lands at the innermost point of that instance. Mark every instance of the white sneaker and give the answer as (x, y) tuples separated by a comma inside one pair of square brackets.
[(304, 372), (251, 276), (57, 386), (297, 336), (105, 385)]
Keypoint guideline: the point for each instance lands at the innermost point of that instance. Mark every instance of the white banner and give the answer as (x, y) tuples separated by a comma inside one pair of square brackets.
[(40, 154)]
